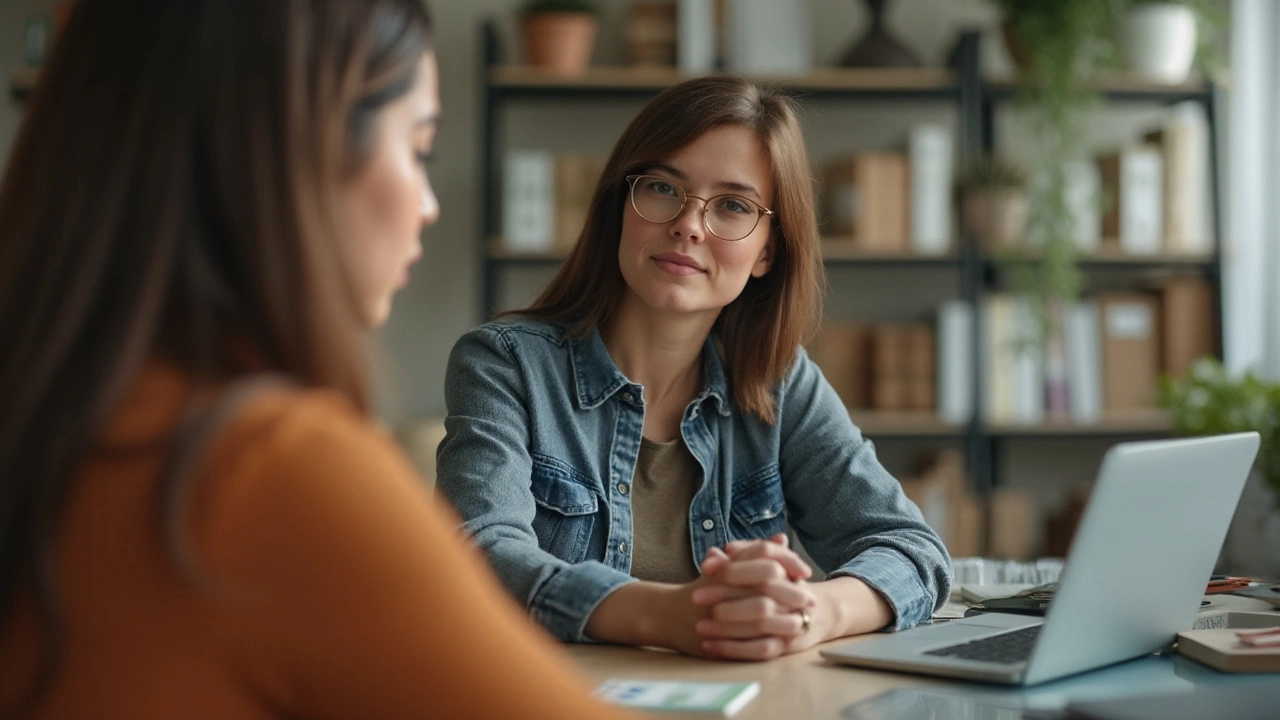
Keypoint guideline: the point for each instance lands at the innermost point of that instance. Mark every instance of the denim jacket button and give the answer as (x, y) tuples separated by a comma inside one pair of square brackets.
[(622, 488), (622, 548), (708, 524), (627, 396)]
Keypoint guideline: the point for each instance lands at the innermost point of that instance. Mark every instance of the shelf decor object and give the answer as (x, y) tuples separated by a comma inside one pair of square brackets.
[(1161, 40), (559, 35), (993, 203), (878, 47)]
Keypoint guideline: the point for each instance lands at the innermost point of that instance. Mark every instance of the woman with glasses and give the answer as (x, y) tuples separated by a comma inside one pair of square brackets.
[(630, 451), (210, 204)]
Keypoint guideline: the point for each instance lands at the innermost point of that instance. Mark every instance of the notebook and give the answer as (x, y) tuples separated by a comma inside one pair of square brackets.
[(1134, 576)]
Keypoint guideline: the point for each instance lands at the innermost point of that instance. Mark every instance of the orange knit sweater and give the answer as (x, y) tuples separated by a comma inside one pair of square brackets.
[(326, 584)]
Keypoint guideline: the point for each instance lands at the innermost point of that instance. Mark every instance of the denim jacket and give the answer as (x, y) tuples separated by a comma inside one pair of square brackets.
[(542, 438)]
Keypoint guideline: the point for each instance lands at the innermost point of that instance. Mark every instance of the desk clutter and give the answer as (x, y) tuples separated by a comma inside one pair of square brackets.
[(1225, 636), (1245, 642)]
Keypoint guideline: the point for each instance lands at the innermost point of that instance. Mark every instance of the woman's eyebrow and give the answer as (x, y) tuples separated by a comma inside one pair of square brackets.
[(729, 185)]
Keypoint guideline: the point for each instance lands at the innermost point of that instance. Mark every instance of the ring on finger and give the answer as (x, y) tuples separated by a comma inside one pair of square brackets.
[(806, 620)]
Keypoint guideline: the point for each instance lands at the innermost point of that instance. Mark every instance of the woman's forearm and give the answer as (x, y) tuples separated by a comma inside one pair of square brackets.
[(848, 606), (633, 615)]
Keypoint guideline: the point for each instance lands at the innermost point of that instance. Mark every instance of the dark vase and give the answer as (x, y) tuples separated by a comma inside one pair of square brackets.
[(1014, 44), (878, 48)]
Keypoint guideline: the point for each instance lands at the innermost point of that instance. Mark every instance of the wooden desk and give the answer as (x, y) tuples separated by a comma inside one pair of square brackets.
[(802, 685), (796, 686)]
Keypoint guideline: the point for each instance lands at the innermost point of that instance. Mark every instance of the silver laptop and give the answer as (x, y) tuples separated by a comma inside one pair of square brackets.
[(1134, 577)]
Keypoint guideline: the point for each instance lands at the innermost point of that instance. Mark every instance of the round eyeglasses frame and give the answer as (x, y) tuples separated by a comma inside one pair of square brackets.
[(761, 210)]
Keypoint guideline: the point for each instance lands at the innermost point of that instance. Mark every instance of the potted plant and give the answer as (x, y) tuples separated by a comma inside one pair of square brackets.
[(1208, 400), (1161, 39), (559, 35), (993, 203)]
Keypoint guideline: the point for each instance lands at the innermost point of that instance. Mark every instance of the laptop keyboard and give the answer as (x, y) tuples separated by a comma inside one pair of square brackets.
[(1009, 648)]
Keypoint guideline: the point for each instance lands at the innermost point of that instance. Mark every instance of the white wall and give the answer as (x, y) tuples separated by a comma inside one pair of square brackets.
[(1251, 297)]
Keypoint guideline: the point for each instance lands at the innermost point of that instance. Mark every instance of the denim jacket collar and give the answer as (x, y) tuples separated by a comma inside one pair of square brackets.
[(596, 378)]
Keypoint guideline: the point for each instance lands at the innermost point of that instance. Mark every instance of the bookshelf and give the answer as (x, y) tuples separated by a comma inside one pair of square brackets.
[(506, 85), (992, 440), (975, 102), (598, 82)]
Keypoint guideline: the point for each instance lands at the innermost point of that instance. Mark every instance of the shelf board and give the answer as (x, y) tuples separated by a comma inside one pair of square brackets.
[(839, 251), (1123, 87), (1117, 259), (832, 254), (499, 254), (904, 424), (23, 82), (1129, 422), (895, 82)]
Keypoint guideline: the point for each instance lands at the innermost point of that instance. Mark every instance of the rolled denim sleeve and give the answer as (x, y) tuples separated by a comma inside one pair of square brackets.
[(484, 468), (847, 510)]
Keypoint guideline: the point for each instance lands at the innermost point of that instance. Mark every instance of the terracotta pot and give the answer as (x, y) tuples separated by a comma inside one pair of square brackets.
[(996, 218), (559, 42)]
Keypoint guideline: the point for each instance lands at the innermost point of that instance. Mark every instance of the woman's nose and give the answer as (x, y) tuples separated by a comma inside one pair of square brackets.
[(689, 223)]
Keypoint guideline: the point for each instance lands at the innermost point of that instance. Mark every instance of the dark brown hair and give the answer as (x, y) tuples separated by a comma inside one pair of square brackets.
[(169, 195), (761, 331)]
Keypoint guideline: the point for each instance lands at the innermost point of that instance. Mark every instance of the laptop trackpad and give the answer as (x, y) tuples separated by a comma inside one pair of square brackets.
[(930, 636), (998, 620)]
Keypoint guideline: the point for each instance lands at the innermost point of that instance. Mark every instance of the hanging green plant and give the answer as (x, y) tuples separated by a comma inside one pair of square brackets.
[(1060, 47)]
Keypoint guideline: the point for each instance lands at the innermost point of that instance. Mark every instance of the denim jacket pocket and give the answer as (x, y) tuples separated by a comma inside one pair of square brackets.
[(566, 510), (759, 508)]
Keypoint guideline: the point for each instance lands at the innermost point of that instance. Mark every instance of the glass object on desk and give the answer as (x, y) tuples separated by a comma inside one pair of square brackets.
[(987, 571), (912, 704)]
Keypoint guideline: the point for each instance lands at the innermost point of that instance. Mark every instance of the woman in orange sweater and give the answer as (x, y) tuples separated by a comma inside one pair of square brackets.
[(208, 205)]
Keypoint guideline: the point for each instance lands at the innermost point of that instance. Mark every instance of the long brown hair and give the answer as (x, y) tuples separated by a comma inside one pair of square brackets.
[(169, 195), (761, 331)]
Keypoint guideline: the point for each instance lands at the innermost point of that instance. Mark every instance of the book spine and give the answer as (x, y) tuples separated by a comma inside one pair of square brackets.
[(1084, 362), (696, 45), (1084, 204), (930, 153), (955, 361), (529, 201), (1028, 364), (1141, 211)]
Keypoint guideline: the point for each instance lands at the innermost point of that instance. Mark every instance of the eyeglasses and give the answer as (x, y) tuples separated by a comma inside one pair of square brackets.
[(728, 217)]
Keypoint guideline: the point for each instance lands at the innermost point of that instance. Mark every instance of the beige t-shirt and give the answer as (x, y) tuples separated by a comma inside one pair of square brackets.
[(665, 480)]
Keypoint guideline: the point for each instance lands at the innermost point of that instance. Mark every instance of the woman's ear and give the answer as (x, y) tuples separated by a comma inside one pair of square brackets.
[(765, 261)]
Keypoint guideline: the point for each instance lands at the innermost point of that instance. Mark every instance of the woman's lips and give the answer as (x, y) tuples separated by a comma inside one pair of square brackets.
[(677, 264)]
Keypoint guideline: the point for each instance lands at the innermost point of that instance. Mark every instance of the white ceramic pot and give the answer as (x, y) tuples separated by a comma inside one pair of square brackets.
[(1160, 41)]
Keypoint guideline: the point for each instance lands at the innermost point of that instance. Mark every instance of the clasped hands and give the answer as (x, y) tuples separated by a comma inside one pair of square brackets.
[(752, 602)]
